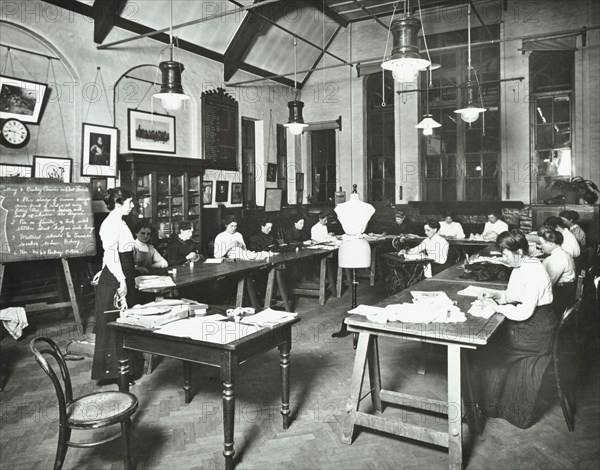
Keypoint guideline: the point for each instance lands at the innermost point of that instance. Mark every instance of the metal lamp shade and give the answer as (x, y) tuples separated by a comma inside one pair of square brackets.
[(295, 121), (171, 91), (469, 111)]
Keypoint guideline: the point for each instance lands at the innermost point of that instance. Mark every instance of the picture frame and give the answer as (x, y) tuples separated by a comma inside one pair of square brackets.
[(273, 199), (15, 171), (222, 192), (56, 168), (21, 99), (98, 187), (299, 181), (271, 172), (207, 192), (99, 150), (236, 193), (150, 132)]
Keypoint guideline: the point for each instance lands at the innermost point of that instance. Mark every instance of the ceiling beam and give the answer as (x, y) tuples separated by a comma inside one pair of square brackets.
[(107, 11), (329, 12), (314, 67)]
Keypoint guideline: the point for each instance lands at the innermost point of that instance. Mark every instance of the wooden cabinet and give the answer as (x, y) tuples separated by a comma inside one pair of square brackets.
[(166, 191)]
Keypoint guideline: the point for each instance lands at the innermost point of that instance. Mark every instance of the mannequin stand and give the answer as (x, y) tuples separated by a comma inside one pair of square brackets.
[(343, 332)]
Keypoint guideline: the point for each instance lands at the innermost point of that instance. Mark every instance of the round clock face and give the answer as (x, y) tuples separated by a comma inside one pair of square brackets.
[(14, 133)]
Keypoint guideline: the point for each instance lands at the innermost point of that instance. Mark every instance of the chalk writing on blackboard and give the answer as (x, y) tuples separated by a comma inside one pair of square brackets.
[(45, 220), (220, 129)]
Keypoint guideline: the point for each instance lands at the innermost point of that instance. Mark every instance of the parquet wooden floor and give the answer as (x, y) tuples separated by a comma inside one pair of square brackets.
[(168, 434)]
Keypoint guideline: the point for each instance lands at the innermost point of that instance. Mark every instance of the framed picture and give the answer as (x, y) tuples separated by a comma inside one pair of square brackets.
[(207, 192), (99, 150), (236, 193), (99, 187), (150, 132), (299, 181), (21, 99), (222, 191), (15, 171), (299, 197), (273, 198), (53, 168), (271, 172)]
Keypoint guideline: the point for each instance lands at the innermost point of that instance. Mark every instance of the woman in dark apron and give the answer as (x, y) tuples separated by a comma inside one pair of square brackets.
[(507, 373), (115, 286)]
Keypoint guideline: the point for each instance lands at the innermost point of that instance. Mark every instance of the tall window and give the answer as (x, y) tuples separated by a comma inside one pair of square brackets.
[(323, 165), (282, 161), (380, 139), (551, 75), (248, 162), (461, 161)]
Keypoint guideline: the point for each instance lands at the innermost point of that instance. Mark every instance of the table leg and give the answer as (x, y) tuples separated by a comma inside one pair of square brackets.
[(374, 253), (322, 280), (339, 280), (284, 367), (375, 374), (358, 372), (250, 287), (282, 288), (239, 299), (270, 287), (187, 380), (228, 370), (454, 408)]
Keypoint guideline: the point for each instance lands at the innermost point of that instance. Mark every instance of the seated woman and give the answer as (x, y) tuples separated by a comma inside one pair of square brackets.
[(263, 240), (434, 246), (296, 234), (507, 373), (319, 232), (182, 248), (451, 229), (570, 219), (560, 268), (229, 243), (494, 226), (146, 257), (569, 244)]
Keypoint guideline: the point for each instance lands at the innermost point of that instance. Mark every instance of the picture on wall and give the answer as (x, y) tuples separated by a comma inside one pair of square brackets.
[(55, 168), (99, 150), (271, 172), (99, 187), (207, 192), (150, 132), (273, 197), (236, 193), (299, 181), (21, 99), (15, 171), (222, 191)]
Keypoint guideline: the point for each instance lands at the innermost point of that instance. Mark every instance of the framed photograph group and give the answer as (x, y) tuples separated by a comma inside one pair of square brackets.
[(222, 193), (15, 171), (21, 99), (99, 149), (271, 172), (207, 192), (150, 132), (99, 187), (54, 168), (236, 193)]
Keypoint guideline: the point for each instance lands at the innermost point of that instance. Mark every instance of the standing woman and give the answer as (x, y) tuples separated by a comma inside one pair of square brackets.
[(117, 280), (507, 373)]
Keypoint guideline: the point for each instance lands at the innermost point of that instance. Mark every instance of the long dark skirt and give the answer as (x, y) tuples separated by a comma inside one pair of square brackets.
[(507, 373), (106, 354)]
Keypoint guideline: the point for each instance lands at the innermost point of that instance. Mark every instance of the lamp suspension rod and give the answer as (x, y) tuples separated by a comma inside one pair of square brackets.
[(469, 41), (295, 65), (9, 47), (310, 43), (171, 29), (187, 23)]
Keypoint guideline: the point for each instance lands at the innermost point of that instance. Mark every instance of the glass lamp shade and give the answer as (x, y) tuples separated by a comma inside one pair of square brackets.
[(171, 92), (470, 113), (428, 124), (295, 121)]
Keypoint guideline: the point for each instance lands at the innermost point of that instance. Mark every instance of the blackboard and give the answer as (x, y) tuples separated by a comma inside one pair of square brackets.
[(43, 219), (220, 129)]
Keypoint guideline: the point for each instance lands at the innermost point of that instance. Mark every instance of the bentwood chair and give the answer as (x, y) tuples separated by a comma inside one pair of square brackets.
[(92, 411)]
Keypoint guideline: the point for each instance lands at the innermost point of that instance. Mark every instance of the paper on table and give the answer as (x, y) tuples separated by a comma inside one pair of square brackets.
[(366, 310), (269, 317), (476, 291), (211, 329), (213, 260)]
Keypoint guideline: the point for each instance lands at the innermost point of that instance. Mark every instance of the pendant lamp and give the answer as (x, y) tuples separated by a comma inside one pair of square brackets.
[(428, 123), (295, 122), (405, 63), (469, 111), (171, 92)]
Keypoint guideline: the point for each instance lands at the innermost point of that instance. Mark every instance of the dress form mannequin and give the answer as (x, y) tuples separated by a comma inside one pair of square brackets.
[(355, 251)]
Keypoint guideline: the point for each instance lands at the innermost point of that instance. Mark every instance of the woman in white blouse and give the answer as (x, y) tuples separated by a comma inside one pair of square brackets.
[(507, 373), (451, 229), (117, 280)]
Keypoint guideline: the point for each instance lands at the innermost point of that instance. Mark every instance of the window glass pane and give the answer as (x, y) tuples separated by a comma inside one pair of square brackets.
[(377, 169), (562, 109), (432, 169), (377, 192), (561, 161), (473, 168), (388, 165), (544, 137), (562, 135), (448, 190), (490, 190), (433, 191), (491, 140), (389, 192), (543, 162), (544, 110), (491, 168), (472, 190), (449, 170), (448, 142), (473, 140)]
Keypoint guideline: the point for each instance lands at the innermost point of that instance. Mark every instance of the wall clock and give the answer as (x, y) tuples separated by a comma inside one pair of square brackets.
[(14, 133)]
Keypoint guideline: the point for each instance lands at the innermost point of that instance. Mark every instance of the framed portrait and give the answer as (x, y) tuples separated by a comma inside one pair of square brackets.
[(15, 171), (271, 172), (99, 187), (236, 193), (207, 192), (99, 149), (273, 197), (54, 168), (150, 132), (21, 99), (299, 181), (222, 194)]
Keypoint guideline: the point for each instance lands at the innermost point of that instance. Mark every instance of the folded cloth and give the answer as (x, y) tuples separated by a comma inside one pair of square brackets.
[(483, 308), (15, 320)]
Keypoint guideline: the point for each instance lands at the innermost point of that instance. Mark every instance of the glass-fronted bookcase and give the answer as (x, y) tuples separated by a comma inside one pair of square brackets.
[(166, 191)]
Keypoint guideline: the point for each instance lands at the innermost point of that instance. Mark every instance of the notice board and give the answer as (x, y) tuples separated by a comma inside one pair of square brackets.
[(43, 219), (220, 129)]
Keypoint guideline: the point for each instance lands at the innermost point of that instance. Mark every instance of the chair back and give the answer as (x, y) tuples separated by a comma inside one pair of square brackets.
[(62, 385)]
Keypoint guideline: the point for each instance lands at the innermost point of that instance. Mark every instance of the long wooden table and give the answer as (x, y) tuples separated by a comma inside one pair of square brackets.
[(227, 357), (455, 337)]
